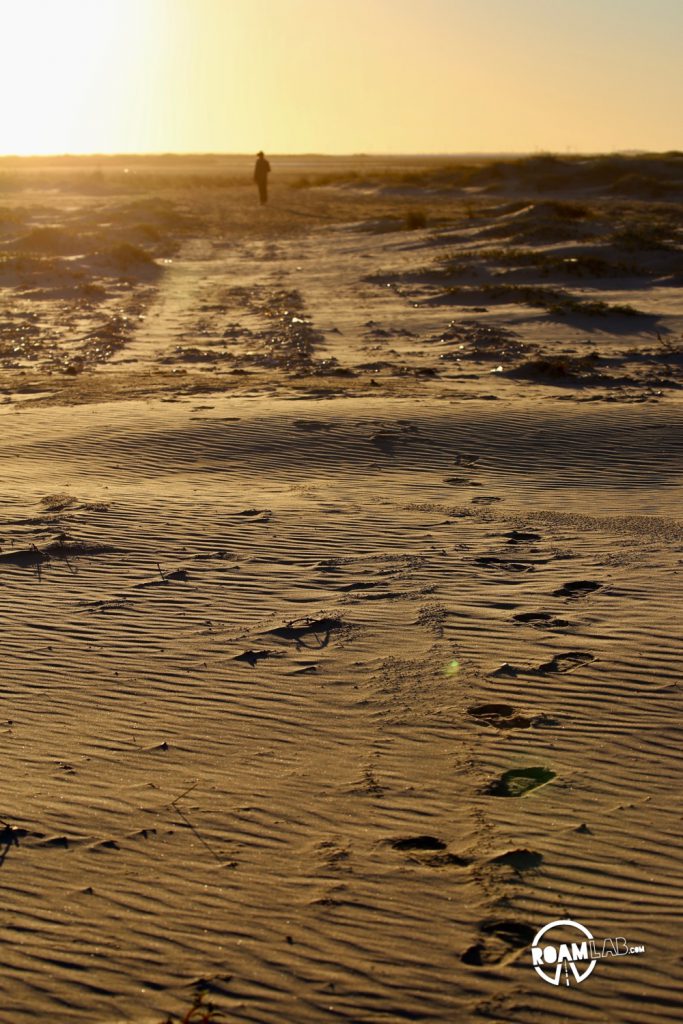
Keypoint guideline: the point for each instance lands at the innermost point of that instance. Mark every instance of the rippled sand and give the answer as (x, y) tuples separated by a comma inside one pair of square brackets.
[(341, 588)]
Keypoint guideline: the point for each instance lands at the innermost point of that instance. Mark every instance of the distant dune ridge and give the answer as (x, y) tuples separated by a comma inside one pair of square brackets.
[(339, 546)]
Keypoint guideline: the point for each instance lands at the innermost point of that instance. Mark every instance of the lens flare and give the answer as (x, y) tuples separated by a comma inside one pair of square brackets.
[(452, 668)]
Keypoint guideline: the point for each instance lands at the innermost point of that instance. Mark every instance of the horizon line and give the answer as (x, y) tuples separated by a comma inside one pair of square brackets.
[(363, 155)]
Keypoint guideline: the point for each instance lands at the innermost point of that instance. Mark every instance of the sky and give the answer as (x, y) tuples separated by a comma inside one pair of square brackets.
[(340, 76)]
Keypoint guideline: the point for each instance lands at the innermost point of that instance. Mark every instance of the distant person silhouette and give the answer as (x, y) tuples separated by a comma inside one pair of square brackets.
[(261, 172)]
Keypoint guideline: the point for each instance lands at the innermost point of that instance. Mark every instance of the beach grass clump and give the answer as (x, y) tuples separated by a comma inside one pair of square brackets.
[(565, 210), (31, 266), (640, 185), (556, 301), (49, 241), (148, 231), (10, 215), (556, 367), (127, 255), (591, 307), (583, 264), (648, 237), (670, 350), (415, 219)]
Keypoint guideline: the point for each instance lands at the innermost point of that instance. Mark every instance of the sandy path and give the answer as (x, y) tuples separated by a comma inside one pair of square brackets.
[(247, 738)]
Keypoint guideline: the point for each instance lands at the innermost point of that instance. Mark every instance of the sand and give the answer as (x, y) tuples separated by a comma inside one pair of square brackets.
[(341, 574)]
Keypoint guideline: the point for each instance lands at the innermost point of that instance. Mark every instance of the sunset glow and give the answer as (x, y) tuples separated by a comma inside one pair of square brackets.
[(83, 76)]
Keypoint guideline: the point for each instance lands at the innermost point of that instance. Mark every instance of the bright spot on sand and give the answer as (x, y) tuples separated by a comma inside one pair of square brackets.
[(452, 667)]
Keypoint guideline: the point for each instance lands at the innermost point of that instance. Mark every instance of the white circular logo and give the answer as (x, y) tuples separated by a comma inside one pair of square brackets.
[(564, 959)]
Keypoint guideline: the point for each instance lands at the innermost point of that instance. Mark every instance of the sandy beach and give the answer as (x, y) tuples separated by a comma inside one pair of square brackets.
[(340, 553)]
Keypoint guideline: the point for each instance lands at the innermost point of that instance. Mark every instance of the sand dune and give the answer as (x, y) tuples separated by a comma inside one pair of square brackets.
[(339, 655)]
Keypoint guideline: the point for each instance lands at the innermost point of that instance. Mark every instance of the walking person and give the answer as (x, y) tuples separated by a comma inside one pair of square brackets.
[(261, 172)]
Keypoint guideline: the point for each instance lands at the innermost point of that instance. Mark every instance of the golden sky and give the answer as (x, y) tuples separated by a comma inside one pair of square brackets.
[(340, 76)]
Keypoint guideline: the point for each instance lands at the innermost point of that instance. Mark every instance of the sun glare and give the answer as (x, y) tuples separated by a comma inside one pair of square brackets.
[(341, 76), (63, 66)]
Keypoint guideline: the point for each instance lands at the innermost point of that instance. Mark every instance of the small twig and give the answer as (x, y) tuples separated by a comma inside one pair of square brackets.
[(43, 557), (174, 803), (72, 570), (188, 790)]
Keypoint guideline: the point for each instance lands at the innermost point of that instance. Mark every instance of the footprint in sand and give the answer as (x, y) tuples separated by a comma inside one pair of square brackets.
[(518, 782), (577, 588), (256, 515), (541, 620), (504, 716), (500, 716), (489, 562), (521, 537), (385, 441), (565, 662), (558, 663), (519, 859), (500, 942), (422, 843), (429, 851)]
